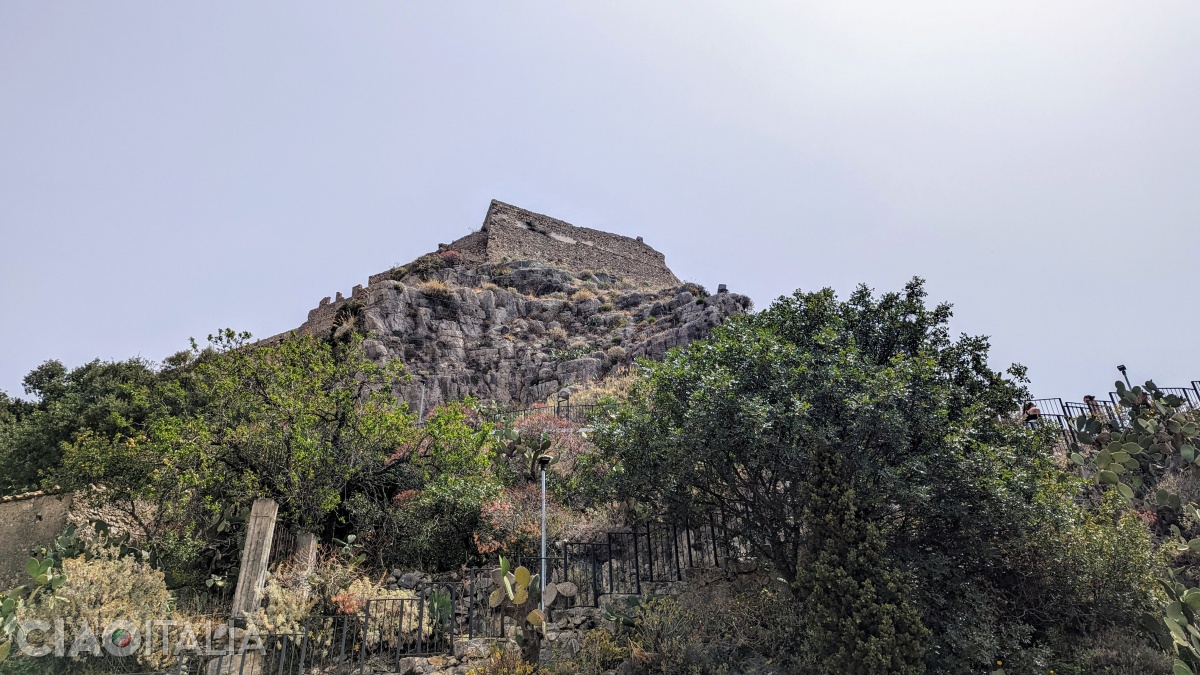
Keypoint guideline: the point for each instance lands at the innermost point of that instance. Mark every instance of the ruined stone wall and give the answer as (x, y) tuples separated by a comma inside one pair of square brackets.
[(510, 233), (517, 234), (28, 521), (320, 319)]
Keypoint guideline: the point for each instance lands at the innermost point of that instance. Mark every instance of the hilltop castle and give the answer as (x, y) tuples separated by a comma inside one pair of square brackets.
[(521, 309), (512, 233)]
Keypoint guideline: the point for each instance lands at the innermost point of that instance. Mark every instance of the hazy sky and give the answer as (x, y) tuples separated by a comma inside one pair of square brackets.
[(167, 169)]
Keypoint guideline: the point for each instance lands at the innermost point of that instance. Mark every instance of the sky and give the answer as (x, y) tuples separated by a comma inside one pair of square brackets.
[(169, 169)]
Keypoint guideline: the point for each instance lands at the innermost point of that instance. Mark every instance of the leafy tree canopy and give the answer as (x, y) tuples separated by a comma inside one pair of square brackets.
[(784, 415), (730, 423)]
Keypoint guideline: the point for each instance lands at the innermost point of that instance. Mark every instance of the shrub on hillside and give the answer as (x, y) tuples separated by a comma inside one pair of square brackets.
[(436, 290), (504, 662), (599, 653), (422, 267), (104, 589), (451, 258)]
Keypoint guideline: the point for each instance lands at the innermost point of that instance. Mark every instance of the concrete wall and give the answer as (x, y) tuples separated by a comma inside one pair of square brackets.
[(28, 521)]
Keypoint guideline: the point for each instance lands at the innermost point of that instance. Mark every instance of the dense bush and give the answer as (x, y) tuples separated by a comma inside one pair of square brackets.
[(856, 613), (504, 662), (100, 590), (967, 526), (705, 630), (103, 398)]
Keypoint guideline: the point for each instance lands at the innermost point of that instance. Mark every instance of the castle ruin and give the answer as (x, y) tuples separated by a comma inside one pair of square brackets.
[(510, 233), (513, 233)]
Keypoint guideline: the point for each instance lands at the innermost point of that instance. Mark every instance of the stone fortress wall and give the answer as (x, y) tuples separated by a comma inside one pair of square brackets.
[(512, 233)]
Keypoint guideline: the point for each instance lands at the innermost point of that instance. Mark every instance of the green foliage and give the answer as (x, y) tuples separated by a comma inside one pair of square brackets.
[(856, 614), (105, 398), (665, 640), (427, 517), (309, 422), (706, 629), (571, 352), (525, 449), (426, 265), (600, 652), (968, 522), (1133, 459), (504, 662), (729, 422), (1134, 465)]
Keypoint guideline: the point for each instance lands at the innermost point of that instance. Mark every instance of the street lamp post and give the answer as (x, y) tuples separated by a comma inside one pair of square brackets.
[(543, 461)]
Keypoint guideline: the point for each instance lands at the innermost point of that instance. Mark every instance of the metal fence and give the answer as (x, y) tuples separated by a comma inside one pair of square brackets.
[(579, 413), (1050, 406), (283, 545), (1189, 395), (1058, 414), (1103, 411)]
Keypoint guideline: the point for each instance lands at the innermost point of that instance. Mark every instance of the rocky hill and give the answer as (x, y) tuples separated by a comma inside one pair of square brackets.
[(522, 309)]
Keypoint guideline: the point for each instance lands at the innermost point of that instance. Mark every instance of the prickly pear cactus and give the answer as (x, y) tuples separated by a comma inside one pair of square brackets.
[(1161, 434), (528, 450), (518, 593)]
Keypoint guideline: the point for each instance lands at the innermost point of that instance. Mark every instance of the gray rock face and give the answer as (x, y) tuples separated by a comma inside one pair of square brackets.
[(519, 333)]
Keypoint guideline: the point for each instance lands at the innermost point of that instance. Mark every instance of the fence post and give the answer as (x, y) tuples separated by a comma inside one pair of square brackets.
[(420, 621), (255, 556), (612, 582), (454, 603), (342, 642), (649, 552), (566, 564), (675, 548), (362, 661), (687, 533), (712, 528), (304, 644), (637, 565), (595, 584), (470, 605)]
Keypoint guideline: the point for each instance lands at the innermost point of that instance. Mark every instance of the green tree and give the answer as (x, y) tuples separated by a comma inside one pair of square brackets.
[(728, 424), (101, 396), (959, 496), (428, 519), (309, 422), (855, 613)]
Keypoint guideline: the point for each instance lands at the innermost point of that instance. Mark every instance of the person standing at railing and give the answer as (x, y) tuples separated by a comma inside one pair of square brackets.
[(1030, 413)]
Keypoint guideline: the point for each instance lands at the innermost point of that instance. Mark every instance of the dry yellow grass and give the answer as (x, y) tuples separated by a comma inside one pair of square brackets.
[(435, 289)]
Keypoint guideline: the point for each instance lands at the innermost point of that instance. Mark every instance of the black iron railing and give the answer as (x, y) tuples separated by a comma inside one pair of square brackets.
[(579, 413)]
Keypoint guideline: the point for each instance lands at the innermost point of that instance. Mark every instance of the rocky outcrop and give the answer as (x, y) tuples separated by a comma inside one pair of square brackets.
[(522, 332), (521, 309)]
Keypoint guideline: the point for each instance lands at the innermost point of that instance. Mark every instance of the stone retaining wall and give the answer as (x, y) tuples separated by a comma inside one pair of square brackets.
[(27, 521)]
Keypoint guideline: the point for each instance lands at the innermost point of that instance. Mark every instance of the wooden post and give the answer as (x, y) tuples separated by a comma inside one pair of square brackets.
[(305, 558), (255, 556), (305, 555)]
